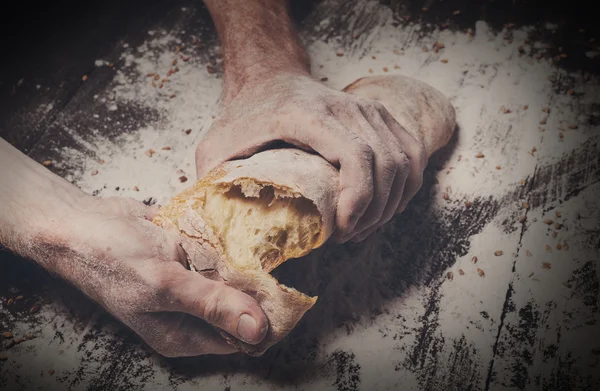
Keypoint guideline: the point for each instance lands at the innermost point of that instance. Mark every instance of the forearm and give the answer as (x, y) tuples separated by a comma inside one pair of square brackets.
[(258, 40), (32, 199)]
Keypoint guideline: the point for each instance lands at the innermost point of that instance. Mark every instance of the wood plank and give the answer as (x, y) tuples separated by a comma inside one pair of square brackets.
[(388, 316)]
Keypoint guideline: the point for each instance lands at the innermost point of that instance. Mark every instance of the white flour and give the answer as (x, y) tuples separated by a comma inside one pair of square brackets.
[(484, 76)]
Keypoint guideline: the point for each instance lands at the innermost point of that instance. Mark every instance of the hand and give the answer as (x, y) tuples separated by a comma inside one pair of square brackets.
[(136, 271), (381, 165)]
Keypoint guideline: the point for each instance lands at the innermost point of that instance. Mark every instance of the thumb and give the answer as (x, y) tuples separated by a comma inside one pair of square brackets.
[(220, 305)]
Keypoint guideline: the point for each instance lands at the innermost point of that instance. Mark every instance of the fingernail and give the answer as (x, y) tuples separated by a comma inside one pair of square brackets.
[(248, 329)]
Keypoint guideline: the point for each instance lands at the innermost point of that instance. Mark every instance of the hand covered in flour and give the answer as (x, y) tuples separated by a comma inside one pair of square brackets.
[(381, 165), (109, 249), (136, 271)]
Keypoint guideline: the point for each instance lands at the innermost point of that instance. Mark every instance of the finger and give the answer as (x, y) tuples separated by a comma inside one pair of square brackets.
[(393, 204), (220, 305), (415, 152), (180, 335), (343, 146), (402, 165), (221, 145), (384, 167)]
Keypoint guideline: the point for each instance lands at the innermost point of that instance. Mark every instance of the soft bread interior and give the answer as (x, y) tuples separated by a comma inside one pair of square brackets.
[(260, 226)]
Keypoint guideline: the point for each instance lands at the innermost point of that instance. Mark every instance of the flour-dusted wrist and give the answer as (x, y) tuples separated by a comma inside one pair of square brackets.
[(34, 204)]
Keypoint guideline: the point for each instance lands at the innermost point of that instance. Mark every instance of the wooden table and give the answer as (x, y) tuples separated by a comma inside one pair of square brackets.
[(484, 283)]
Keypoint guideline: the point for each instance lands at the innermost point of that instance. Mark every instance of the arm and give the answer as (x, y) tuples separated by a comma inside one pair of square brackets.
[(258, 39), (110, 251), (269, 95)]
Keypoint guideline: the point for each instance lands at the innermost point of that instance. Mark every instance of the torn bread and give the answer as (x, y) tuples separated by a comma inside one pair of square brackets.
[(256, 213)]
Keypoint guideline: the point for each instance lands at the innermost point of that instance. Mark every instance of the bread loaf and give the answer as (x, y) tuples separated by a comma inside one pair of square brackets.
[(280, 204)]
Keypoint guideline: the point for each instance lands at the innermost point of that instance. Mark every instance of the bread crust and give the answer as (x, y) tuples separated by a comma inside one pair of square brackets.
[(422, 110)]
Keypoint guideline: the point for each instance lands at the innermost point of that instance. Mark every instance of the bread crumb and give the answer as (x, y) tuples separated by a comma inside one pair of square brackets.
[(47, 163), (498, 253)]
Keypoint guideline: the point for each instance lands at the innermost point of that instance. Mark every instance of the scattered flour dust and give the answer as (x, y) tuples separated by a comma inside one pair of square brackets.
[(482, 74), (500, 98)]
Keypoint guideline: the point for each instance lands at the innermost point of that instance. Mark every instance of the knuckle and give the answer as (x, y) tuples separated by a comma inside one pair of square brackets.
[(363, 150), (213, 307), (390, 166), (402, 160)]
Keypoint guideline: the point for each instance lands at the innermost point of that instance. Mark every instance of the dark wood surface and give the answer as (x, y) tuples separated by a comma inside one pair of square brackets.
[(55, 44)]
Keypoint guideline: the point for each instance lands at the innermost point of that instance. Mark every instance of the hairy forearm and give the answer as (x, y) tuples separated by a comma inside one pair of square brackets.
[(32, 199), (258, 40)]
